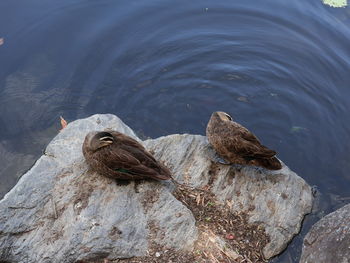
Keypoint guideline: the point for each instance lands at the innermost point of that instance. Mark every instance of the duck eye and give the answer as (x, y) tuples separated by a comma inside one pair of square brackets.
[(229, 117)]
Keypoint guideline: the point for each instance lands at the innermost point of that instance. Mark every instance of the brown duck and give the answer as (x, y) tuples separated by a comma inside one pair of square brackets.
[(119, 156), (236, 144)]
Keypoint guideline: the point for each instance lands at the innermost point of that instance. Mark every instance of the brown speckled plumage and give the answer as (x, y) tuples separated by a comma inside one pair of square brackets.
[(238, 145), (116, 155)]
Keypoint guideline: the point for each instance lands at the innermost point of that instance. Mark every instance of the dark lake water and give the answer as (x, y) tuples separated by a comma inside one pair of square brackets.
[(281, 68)]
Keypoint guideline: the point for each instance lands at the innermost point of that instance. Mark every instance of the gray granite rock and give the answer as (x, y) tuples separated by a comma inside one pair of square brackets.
[(277, 199), (329, 239), (59, 211)]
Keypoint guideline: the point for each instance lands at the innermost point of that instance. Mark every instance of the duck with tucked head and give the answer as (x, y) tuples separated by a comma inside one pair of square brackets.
[(116, 155), (237, 145)]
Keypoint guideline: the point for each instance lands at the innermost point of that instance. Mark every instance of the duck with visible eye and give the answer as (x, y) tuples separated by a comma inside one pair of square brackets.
[(118, 156), (237, 145)]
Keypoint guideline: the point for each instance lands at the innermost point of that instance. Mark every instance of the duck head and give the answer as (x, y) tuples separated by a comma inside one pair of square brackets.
[(97, 140), (221, 116)]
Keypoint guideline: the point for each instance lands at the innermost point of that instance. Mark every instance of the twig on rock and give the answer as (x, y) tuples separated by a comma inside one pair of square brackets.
[(54, 207)]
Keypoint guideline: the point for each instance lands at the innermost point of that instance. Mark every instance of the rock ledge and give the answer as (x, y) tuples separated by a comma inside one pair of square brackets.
[(59, 211), (329, 239)]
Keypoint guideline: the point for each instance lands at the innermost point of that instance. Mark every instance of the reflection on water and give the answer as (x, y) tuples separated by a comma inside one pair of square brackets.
[(280, 69)]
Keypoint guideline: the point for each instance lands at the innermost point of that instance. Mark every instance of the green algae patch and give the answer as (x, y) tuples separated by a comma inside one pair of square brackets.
[(336, 3)]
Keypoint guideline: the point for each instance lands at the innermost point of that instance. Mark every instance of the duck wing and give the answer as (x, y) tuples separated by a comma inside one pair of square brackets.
[(121, 138), (127, 155), (135, 148), (125, 162), (246, 144)]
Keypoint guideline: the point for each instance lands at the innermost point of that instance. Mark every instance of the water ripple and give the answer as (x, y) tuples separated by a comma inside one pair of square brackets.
[(281, 69)]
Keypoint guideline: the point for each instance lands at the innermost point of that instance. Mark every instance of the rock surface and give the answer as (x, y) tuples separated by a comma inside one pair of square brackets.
[(278, 199), (329, 239), (59, 211)]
